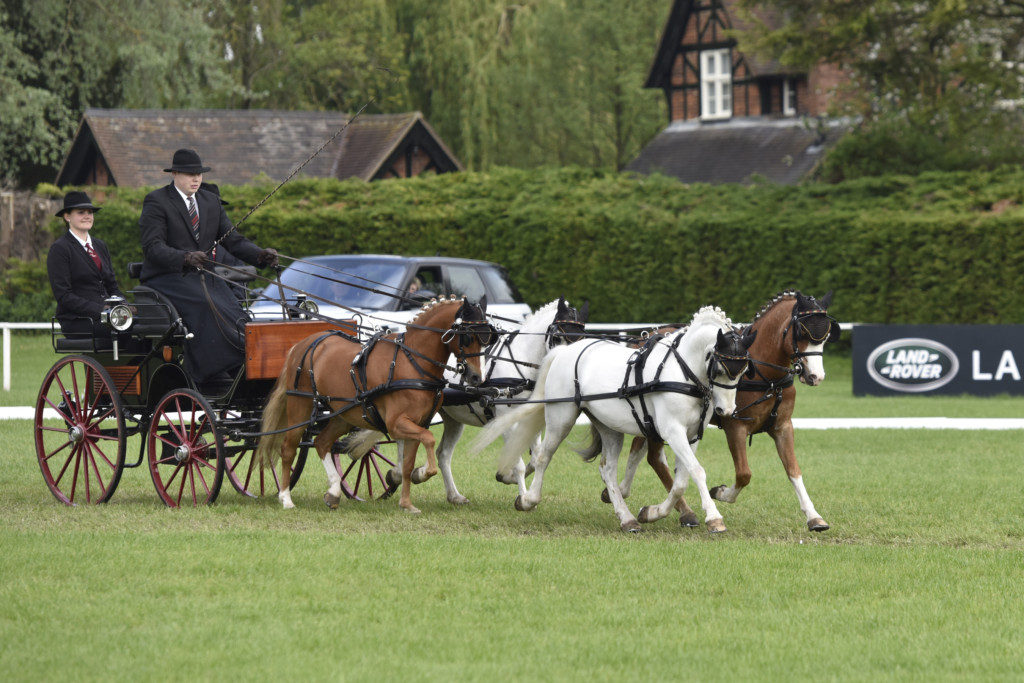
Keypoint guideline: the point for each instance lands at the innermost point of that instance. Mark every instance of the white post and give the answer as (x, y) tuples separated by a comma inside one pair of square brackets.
[(7, 358)]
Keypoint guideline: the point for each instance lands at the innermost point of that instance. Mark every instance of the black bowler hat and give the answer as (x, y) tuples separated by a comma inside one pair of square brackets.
[(186, 161), (76, 200)]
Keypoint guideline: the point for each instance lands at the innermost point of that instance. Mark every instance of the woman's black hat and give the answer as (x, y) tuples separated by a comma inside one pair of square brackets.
[(186, 161), (76, 200)]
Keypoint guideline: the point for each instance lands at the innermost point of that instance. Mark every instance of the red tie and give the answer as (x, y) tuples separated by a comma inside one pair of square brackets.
[(92, 253)]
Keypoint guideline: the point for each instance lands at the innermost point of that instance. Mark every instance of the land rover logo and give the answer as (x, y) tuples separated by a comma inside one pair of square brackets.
[(913, 365)]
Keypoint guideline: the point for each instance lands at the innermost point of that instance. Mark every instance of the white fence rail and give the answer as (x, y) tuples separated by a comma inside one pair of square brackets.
[(7, 327), (597, 327)]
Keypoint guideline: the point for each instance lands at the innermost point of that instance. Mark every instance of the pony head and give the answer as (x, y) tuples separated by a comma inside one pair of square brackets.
[(812, 328), (468, 336), (728, 361), (568, 325)]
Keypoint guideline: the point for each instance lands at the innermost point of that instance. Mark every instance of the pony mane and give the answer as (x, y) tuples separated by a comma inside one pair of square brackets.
[(431, 305), (547, 309), (781, 296), (711, 315)]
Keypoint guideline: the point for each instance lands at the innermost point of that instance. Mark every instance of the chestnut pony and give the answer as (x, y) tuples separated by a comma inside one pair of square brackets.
[(389, 383), (792, 332)]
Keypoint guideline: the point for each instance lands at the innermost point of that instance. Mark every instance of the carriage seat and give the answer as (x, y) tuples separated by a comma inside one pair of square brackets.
[(154, 311), (82, 344)]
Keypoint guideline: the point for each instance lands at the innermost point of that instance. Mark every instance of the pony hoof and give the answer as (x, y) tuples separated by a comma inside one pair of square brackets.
[(716, 526), (605, 498), (393, 479), (715, 491), (689, 519), (498, 478), (817, 524), (632, 526), (644, 515), (518, 505), (332, 501), (412, 510), (458, 500)]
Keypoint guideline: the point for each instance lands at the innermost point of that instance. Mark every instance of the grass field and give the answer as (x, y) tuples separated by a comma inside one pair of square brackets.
[(920, 576)]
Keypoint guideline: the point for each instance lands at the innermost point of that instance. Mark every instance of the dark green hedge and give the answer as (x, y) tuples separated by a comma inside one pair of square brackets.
[(942, 247)]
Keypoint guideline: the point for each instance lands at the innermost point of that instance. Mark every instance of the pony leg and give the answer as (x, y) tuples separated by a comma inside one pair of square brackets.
[(686, 465), (783, 436), (323, 443), (412, 435), (656, 459), (449, 437), (636, 451), (288, 448), (611, 443), (736, 435), (559, 419)]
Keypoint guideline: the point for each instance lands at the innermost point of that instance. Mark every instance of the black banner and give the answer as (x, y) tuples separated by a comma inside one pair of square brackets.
[(937, 359)]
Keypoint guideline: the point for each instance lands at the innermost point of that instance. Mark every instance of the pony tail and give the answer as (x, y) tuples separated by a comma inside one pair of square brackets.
[(269, 449), (594, 448)]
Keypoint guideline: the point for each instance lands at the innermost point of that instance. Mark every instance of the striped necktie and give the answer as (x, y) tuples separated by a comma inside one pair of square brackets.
[(193, 216), (92, 254)]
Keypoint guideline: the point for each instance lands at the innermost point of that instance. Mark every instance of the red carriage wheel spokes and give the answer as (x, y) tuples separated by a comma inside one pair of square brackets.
[(185, 450), (79, 431), (246, 473), (370, 477)]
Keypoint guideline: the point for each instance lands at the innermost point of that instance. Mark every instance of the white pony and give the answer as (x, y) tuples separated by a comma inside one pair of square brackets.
[(510, 367), (680, 378)]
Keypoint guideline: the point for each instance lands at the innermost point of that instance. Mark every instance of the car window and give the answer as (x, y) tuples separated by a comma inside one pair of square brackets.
[(500, 286), (465, 281), (345, 283), (428, 279)]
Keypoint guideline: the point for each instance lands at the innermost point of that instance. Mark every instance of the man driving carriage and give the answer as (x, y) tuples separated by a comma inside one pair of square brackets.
[(181, 226)]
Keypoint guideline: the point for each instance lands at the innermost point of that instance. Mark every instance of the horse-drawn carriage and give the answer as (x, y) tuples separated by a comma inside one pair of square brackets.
[(134, 382)]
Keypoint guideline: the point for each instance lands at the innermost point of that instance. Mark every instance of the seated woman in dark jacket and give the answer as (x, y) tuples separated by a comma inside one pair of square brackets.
[(80, 271)]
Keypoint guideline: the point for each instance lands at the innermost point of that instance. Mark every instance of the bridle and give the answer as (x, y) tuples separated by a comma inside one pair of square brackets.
[(466, 331), (801, 331), (568, 331)]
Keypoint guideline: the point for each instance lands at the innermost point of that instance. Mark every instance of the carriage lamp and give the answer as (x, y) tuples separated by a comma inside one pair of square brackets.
[(118, 317), (308, 305)]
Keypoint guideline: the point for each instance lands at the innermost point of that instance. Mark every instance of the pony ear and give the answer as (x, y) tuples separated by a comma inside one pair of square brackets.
[(748, 337), (826, 300), (719, 339), (560, 310), (483, 303), (585, 311)]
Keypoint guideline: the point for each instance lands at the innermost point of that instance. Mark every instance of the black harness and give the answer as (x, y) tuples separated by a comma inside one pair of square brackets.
[(772, 388), (366, 395)]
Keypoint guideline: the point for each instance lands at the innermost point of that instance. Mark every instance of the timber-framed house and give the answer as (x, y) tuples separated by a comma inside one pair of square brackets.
[(732, 115)]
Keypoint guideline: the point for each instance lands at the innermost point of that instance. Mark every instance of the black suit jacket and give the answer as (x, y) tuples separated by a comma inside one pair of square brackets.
[(78, 285), (167, 232)]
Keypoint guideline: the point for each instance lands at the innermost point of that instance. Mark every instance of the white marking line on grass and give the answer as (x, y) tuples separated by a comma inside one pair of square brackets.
[(962, 423)]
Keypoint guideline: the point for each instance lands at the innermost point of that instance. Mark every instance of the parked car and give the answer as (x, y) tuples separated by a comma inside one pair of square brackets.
[(367, 284)]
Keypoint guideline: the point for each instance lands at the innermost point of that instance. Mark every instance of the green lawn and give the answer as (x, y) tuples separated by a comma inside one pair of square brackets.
[(920, 576)]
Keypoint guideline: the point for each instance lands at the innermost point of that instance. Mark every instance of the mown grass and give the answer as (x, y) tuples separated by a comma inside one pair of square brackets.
[(919, 578)]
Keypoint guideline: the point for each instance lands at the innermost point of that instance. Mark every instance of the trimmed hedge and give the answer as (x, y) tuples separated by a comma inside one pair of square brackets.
[(936, 248)]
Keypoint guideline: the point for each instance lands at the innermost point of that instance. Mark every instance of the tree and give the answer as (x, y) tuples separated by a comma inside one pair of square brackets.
[(59, 58), (936, 81)]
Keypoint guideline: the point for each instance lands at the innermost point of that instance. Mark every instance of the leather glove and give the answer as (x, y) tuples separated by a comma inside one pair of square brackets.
[(267, 257), (195, 259)]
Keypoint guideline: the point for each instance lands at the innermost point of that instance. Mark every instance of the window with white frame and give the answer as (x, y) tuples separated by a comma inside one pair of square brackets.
[(715, 84), (788, 97)]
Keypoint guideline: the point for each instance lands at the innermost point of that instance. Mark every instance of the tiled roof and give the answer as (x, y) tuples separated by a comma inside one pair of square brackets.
[(782, 151), (241, 144)]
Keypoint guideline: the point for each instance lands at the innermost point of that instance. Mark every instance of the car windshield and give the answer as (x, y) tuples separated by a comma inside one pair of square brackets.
[(327, 280)]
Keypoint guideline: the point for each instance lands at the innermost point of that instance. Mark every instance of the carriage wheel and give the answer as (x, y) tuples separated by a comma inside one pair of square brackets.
[(185, 450), (366, 478), (251, 479), (80, 432)]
